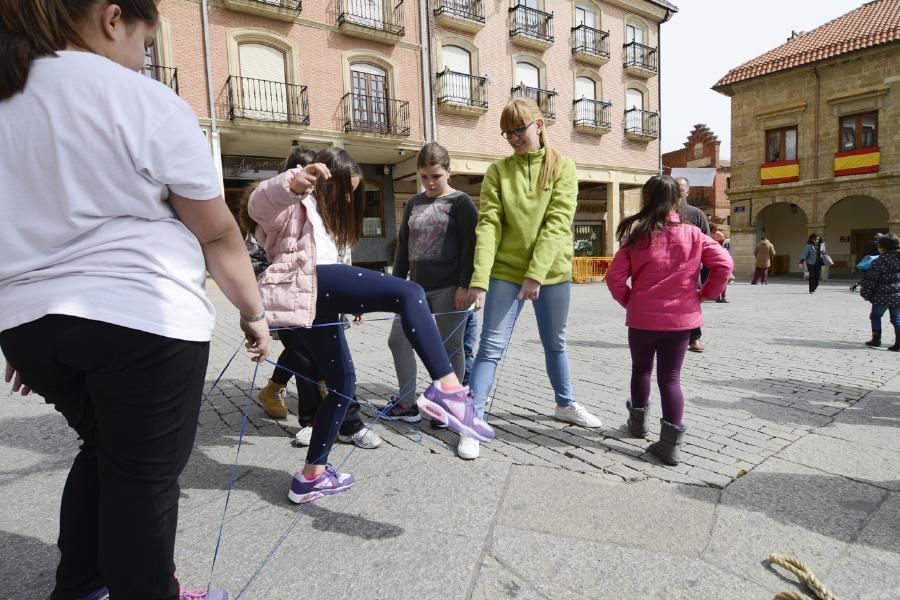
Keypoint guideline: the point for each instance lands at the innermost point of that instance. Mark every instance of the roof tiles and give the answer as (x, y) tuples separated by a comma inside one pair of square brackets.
[(872, 24)]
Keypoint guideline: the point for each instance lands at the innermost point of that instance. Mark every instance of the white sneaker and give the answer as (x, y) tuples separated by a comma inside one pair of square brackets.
[(577, 414), (364, 438), (303, 436), (468, 448)]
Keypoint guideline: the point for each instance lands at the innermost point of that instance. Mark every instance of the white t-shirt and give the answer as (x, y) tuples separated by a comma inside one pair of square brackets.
[(326, 249), (90, 151)]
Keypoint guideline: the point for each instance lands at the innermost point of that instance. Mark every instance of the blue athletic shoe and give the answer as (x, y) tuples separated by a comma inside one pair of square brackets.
[(330, 482)]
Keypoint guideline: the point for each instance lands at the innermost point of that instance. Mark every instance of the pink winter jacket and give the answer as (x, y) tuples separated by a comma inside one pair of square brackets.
[(664, 273), (288, 285)]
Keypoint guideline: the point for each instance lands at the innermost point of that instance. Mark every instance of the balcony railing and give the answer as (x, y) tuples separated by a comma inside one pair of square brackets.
[(642, 123), (463, 9), (591, 42), (545, 99), (283, 10), (462, 89), (165, 75), (262, 100), (592, 114), (381, 15), (640, 56), (375, 114), (288, 4), (531, 23)]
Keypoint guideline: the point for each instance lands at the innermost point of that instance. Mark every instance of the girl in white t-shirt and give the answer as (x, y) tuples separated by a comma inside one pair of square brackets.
[(113, 215)]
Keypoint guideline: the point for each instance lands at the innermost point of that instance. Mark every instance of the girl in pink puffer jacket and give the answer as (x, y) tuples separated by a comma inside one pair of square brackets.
[(662, 256)]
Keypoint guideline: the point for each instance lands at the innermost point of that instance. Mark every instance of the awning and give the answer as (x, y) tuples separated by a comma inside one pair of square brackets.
[(705, 177)]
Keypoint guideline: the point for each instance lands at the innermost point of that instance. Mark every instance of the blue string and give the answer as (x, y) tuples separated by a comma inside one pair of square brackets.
[(342, 323), (380, 413)]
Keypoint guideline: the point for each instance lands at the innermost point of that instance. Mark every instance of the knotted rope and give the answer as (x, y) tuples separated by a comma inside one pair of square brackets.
[(805, 574)]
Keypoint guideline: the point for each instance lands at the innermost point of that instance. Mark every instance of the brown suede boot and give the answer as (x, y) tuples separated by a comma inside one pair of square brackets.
[(271, 398)]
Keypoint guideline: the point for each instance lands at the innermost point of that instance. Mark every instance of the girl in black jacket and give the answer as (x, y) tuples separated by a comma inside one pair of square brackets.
[(881, 287)]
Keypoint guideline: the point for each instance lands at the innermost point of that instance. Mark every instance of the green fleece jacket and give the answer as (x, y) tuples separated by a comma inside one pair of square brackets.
[(523, 231)]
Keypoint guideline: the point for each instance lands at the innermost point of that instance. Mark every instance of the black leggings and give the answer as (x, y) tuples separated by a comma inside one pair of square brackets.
[(133, 398), (352, 290)]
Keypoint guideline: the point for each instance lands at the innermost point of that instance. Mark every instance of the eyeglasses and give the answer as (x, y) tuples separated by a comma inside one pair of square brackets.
[(518, 131)]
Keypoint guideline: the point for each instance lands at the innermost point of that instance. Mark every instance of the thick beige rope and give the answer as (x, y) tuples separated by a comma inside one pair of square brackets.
[(806, 576)]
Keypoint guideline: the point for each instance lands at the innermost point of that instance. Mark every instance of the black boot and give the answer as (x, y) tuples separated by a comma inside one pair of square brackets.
[(637, 420), (667, 449), (896, 346), (875, 342)]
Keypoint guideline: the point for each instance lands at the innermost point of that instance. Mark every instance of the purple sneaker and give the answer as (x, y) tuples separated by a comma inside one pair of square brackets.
[(330, 482), (186, 594), (101, 594), (456, 410)]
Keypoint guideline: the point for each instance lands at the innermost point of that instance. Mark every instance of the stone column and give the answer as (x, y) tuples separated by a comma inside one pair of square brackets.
[(613, 216), (743, 243)]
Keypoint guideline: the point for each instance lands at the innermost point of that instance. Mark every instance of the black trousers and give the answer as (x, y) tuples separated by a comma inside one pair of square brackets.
[(815, 274), (133, 398)]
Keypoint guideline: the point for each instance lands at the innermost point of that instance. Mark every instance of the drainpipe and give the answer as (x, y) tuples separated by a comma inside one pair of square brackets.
[(429, 118), (213, 128), (659, 80)]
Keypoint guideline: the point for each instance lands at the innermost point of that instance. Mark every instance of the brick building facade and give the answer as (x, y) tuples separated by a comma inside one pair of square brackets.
[(816, 140), (381, 77), (701, 151)]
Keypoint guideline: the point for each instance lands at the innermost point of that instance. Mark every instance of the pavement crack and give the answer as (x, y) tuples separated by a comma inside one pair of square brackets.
[(487, 547)]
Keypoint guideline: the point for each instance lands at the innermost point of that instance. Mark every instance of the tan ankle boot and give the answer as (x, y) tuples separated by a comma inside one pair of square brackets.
[(271, 398)]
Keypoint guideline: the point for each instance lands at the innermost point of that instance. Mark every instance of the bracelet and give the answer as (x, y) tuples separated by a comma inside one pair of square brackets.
[(258, 317)]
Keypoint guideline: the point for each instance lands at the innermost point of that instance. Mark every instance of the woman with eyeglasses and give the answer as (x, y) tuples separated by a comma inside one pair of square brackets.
[(524, 252), (813, 258)]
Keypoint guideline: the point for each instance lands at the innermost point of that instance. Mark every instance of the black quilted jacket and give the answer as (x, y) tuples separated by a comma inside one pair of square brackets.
[(881, 284)]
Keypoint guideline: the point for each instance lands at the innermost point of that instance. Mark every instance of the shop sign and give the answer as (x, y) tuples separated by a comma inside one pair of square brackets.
[(250, 167)]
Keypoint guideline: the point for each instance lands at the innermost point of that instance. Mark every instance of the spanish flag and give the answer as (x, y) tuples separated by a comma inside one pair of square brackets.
[(854, 162)]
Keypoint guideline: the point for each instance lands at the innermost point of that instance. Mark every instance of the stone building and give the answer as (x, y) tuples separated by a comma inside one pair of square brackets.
[(816, 139), (380, 78), (700, 157)]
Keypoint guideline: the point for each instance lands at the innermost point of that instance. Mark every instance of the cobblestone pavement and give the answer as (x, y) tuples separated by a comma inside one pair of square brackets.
[(778, 362)]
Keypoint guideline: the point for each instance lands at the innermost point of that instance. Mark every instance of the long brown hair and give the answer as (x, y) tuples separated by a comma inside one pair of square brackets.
[(433, 154), (519, 112), (342, 219), (299, 157), (30, 29), (659, 197)]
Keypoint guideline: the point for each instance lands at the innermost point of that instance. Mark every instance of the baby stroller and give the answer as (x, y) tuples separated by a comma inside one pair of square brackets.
[(863, 266)]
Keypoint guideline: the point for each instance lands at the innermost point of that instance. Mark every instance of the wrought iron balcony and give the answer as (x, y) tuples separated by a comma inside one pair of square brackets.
[(590, 45), (461, 92), (164, 75), (375, 114), (592, 116), (283, 10), (640, 60), (531, 27), (545, 99), (641, 125), (262, 100), (381, 20)]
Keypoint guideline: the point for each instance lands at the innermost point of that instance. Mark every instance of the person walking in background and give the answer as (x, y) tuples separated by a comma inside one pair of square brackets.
[(435, 247), (871, 247), (813, 258), (719, 237), (661, 256), (693, 216), (881, 287), (763, 255), (114, 216), (524, 252)]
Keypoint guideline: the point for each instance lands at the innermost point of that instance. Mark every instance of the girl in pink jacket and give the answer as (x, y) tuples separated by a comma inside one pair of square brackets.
[(662, 256), (303, 216)]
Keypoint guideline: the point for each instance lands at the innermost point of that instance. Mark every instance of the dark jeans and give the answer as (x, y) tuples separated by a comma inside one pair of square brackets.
[(133, 398), (469, 340), (815, 273), (760, 274), (309, 395), (669, 349), (697, 333), (352, 290), (878, 311)]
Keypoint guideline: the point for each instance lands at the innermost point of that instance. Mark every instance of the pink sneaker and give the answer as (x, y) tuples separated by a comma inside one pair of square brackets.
[(455, 409), (186, 594)]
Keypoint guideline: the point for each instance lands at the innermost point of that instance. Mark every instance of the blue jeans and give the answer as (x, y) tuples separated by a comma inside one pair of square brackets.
[(501, 309), (878, 311), (469, 339)]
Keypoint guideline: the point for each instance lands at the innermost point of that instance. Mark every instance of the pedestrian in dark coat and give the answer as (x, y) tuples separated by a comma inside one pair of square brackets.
[(881, 287)]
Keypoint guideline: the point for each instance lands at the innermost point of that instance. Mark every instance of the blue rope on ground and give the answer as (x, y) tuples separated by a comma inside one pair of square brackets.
[(379, 414)]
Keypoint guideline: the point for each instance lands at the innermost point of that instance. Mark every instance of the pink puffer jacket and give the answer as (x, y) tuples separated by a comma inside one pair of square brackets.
[(664, 273), (288, 285)]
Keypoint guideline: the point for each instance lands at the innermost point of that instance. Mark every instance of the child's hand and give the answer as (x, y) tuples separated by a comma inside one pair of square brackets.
[(305, 179), (16, 378), (358, 319)]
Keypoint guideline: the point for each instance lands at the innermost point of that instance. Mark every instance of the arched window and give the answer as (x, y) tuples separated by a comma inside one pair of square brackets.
[(263, 75), (585, 87), (634, 98), (585, 15), (370, 97), (527, 74)]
